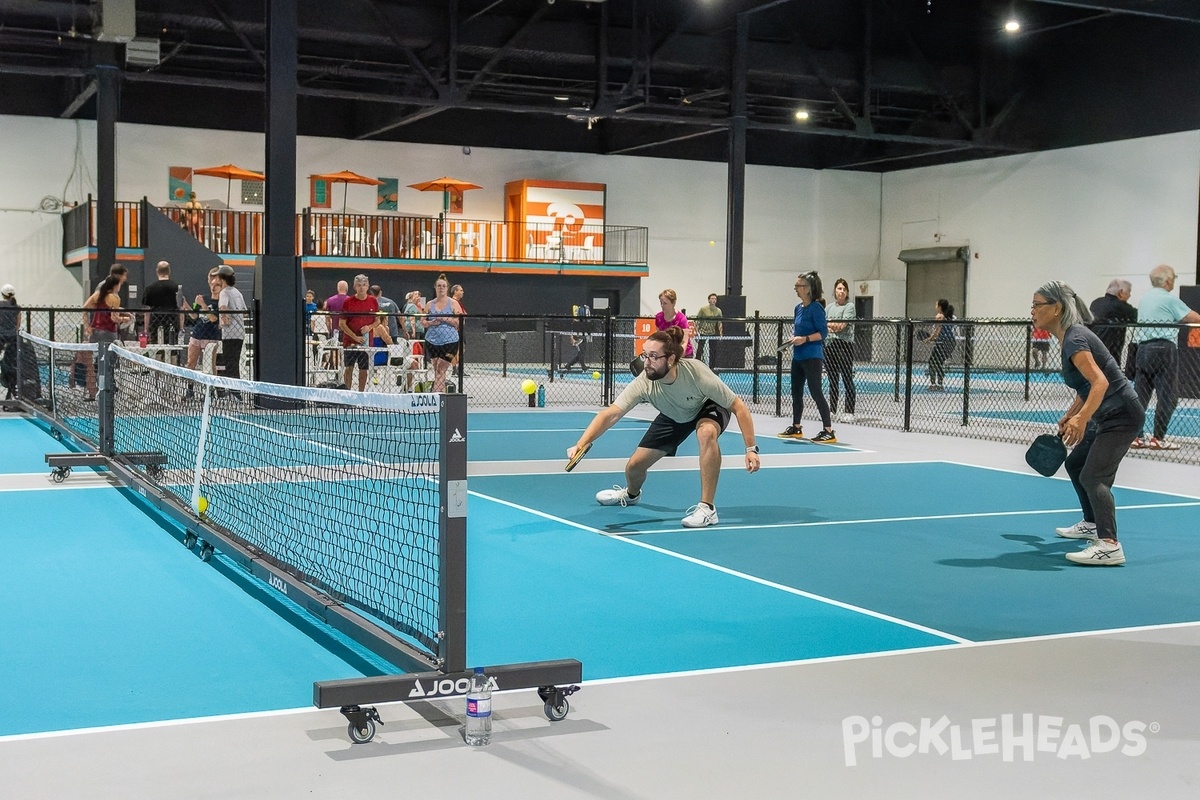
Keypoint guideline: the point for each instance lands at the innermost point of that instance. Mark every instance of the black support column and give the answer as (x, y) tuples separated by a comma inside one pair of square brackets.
[(735, 226), (108, 104), (279, 347)]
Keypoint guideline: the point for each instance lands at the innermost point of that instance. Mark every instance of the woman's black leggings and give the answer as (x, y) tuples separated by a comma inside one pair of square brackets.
[(839, 363), (937, 363), (808, 371)]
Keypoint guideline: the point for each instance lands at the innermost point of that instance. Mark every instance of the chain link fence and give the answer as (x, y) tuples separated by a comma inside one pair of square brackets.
[(999, 383)]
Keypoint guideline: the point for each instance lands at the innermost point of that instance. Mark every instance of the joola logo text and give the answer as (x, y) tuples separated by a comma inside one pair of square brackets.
[(446, 687), (1010, 737)]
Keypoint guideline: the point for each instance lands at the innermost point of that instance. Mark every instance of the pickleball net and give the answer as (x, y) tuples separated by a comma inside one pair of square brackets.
[(343, 491)]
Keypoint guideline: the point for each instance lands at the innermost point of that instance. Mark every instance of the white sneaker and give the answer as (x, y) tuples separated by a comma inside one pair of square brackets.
[(700, 515), (1099, 554), (848, 418), (616, 496), (1080, 530)]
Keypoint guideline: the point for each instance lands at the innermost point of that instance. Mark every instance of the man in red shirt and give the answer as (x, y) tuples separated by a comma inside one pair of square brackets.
[(356, 321)]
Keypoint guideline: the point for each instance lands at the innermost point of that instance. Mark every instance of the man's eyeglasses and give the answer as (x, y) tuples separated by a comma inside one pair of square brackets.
[(648, 356)]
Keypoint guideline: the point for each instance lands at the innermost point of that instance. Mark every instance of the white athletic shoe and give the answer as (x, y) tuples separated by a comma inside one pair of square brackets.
[(1080, 530), (1099, 554), (616, 496), (848, 418), (700, 515)]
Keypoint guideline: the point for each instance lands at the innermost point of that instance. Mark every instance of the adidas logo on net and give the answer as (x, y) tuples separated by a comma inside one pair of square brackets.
[(1010, 737)]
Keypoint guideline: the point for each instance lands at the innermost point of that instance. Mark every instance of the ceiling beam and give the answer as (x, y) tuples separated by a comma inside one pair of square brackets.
[(220, 14), (1176, 10)]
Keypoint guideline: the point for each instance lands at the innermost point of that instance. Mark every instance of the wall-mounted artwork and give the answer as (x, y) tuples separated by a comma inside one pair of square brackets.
[(388, 193), (179, 183), (456, 200), (318, 193)]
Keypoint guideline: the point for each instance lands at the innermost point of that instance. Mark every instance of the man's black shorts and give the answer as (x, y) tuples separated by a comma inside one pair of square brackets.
[(352, 357), (666, 434)]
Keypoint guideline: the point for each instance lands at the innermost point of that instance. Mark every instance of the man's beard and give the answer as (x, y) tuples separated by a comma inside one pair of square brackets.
[(653, 374)]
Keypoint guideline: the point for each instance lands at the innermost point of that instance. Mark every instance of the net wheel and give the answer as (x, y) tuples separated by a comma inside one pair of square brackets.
[(363, 732), (60, 474), (557, 712), (206, 551), (155, 472), (189, 540)]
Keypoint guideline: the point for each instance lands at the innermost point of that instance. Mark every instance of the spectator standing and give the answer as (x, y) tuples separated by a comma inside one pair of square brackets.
[(441, 331), (206, 332), (839, 349), (1112, 314), (708, 323), (414, 316), (232, 306), (357, 321), (1041, 348), (1158, 355), (163, 321), (10, 325), (333, 305), (310, 305), (809, 331), (670, 318), (942, 336), (389, 307), (105, 318)]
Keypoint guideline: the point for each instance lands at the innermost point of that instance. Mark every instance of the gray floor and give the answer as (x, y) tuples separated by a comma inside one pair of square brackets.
[(1111, 715)]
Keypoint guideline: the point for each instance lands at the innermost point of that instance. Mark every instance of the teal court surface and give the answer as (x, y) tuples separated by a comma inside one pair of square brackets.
[(827, 552)]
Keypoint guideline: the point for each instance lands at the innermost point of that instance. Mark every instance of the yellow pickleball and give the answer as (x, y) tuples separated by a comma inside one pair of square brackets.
[(596, 376), (528, 386), (201, 505)]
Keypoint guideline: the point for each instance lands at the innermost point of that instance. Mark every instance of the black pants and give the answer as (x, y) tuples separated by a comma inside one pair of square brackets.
[(1093, 464), (839, 363), (229, 361), (809, 371), (1157, 365), (937, 362)]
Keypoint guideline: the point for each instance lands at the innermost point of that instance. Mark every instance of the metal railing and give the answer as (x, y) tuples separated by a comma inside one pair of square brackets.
[(391, 236)]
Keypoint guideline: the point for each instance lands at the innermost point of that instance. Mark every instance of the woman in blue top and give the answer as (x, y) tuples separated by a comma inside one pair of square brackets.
[(808, 355), (441, 331), (1100, 424)]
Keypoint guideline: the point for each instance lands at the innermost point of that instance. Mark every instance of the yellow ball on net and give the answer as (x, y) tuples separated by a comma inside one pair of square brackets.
[(201, 505)]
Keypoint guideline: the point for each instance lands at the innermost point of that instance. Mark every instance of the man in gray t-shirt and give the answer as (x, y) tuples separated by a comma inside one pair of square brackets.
[(689, 398)]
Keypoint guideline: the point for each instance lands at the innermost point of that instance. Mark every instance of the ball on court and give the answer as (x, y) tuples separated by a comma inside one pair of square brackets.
[(595, 376), (201, 505), (528, 386)]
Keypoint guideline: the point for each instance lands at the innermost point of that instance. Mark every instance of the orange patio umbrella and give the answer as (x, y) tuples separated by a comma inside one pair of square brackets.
[(347, 177), (229, 172), (444, 185)]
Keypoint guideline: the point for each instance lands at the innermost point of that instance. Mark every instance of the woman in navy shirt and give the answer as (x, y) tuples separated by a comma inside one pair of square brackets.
[(808, 355), (1101, 422)]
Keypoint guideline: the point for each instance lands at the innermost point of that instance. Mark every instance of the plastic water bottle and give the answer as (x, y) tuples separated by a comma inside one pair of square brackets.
[(479, 710), (541, 395)]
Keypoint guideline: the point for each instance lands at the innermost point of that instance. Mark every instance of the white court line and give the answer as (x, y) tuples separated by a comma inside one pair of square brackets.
[(1065, 478), (965, 515), (734, 573), (304, 439)]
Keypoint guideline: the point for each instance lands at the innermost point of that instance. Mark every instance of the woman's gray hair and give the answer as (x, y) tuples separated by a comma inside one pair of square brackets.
[(1074, 310)]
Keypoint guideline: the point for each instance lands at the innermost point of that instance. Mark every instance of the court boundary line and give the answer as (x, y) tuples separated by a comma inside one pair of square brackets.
[(972, 515), (726, 570), (1066, 479)]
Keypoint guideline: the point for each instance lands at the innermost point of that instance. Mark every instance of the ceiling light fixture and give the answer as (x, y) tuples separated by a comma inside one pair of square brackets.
[(802, 115), (1012, 26), (561, 97)]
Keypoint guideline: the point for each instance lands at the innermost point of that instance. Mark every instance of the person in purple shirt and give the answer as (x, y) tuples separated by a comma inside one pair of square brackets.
[(334, 306)]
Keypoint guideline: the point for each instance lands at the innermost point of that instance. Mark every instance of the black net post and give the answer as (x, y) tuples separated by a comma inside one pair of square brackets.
[(104, 377), (452, 523), (908, 369), (968, 357)]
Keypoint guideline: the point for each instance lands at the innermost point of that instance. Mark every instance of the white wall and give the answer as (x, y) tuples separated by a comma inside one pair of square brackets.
[(1082, 215)]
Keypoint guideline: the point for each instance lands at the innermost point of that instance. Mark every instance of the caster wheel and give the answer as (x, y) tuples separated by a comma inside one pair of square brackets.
[(155, 473), (557, 713), (206, 552), (363, 732), (60, 474), (56, 433), (189, 540)]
